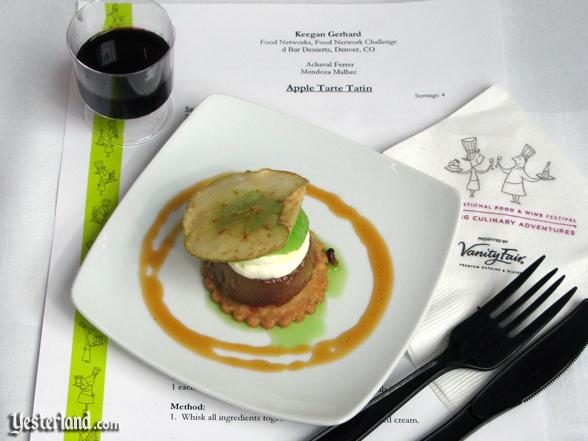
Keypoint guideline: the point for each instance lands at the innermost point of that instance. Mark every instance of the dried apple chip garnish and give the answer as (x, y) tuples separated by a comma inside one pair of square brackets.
[(243, 215)]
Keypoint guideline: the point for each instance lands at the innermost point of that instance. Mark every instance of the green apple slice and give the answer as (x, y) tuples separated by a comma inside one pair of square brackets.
[(297, 235), (243, 215)]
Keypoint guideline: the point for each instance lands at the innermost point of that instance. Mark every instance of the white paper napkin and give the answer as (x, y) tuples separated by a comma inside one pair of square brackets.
[(521, 199)]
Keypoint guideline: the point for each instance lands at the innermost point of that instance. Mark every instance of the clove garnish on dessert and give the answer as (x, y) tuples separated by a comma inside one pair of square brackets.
[(331, 258)]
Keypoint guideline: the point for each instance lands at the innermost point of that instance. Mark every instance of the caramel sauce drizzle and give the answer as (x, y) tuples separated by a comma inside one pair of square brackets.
[(152, 259)]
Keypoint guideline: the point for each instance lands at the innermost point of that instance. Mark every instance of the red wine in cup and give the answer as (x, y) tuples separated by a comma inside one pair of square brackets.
[(141, 69)]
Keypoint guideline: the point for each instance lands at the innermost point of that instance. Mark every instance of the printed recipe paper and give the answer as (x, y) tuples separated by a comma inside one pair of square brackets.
[(374, 73)]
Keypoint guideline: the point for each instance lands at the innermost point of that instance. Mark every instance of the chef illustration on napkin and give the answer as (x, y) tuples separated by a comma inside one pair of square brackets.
[(475, 158), (514, 182)]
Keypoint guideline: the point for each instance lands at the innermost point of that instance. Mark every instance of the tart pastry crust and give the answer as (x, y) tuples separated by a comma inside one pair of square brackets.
[(305, 302)]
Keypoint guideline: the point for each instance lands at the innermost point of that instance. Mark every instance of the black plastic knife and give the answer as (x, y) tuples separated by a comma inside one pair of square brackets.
[(543, 362)]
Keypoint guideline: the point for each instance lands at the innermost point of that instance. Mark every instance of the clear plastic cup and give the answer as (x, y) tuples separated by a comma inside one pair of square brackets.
[(107, 40)]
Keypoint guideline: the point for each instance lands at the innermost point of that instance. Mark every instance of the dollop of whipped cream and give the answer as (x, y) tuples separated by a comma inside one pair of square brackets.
[(272, 266)]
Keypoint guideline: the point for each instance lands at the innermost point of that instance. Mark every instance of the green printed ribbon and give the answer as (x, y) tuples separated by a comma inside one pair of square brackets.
[(89, 346), (118, 15)]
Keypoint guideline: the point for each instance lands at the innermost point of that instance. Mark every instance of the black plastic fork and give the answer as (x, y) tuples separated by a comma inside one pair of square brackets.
[(483, 341)]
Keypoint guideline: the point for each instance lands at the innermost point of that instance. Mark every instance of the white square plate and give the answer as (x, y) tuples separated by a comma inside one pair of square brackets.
[(415, 214)]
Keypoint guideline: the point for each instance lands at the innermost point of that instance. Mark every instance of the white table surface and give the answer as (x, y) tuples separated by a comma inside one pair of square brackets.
[(546, 46)]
